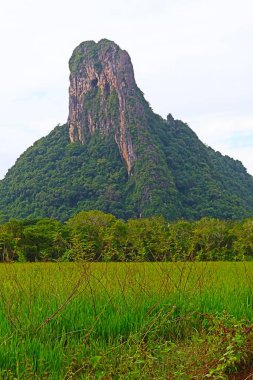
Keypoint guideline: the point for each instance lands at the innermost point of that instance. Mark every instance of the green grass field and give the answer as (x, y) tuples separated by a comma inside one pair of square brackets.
[(125, 320)]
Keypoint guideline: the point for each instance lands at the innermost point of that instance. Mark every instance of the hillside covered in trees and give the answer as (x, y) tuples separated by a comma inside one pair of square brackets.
[(117, 156)]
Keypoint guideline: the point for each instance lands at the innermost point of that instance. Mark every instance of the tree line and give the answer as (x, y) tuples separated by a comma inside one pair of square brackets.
[(97, 236)]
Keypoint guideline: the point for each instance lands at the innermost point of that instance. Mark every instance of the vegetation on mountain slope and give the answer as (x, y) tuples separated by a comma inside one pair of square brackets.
[(116, 155), (56, 178)]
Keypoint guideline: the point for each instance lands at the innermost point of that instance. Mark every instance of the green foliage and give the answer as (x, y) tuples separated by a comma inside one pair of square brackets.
[(92, 229), (56, 179), (180, 240), (98, 236), (208, 183), (43, 241), (147, 240), (232, 337), (87, 49)]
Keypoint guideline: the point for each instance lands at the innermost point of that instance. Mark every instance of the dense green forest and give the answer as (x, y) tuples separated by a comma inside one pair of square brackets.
[(55, 178), (97, 236)]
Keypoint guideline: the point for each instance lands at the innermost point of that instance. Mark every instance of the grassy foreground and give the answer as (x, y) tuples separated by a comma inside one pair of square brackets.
[(125, 320)]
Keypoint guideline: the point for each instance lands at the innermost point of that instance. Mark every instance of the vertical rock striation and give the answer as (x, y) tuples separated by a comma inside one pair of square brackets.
[(102, 91)]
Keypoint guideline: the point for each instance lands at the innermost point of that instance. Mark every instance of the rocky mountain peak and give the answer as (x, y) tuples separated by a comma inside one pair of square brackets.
[(102, 91)]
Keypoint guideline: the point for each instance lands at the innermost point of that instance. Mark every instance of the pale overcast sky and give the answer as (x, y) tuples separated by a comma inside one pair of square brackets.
[(192, 58)]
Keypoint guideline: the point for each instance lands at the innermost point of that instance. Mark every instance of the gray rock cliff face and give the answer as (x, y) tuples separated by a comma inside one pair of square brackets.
[(102, 93)]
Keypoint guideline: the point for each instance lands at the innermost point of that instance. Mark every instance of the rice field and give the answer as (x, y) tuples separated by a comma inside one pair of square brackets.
[(123, 320)]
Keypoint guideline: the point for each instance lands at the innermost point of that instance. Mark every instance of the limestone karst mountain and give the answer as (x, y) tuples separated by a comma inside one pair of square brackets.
[(115, 154), (101, 86)]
